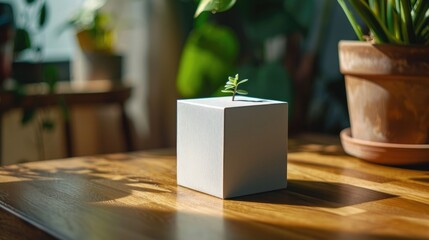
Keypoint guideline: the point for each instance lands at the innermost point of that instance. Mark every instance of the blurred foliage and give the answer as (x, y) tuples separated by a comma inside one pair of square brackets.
[(269, 80), (213, 51), (209, 56), (266, 19), (287, 50), (214, 6), (34, 17)]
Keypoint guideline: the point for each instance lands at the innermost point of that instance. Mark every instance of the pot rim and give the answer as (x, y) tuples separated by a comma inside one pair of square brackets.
[(366, 59), (367, 43)]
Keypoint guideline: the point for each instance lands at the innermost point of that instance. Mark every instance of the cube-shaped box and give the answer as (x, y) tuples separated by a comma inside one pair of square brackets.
[(231, 148)]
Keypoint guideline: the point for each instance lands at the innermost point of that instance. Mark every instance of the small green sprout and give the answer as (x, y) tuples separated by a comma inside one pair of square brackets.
[(232, 86)]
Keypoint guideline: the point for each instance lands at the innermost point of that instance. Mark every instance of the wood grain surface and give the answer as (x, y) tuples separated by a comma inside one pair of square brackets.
[(135, 196)]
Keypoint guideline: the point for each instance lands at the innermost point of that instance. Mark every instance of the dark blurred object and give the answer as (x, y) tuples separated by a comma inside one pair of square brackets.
[(26, 72), (7, 31), (103, 66)]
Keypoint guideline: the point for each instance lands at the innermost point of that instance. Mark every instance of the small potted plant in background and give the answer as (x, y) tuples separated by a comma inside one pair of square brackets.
[(96, 37), (28, 44), (387, 81), (229, 147)]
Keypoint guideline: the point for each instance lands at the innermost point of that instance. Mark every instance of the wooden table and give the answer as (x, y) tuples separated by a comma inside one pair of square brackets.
[(135, 196), (71, 94)]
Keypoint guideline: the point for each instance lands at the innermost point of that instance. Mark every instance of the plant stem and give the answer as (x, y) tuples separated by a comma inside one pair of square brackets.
[(235, 92)]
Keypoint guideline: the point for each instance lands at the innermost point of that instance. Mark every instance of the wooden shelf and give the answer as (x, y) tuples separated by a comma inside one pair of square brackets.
[(98, 92)]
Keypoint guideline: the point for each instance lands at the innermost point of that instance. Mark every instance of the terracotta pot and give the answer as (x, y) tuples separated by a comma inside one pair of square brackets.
[(103, 66), (387, 91)]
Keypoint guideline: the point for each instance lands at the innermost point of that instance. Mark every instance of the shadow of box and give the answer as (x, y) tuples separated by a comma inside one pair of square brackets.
[(26, 72)]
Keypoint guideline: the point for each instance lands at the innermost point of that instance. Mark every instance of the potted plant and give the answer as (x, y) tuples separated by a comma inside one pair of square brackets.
[(387, 80), (229, 147), (28, 64), (96, 37)]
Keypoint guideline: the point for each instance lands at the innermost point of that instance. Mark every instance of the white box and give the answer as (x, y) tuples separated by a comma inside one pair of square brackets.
[(231, 148)]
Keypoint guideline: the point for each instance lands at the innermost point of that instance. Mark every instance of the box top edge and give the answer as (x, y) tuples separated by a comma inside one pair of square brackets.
[(226, 102)]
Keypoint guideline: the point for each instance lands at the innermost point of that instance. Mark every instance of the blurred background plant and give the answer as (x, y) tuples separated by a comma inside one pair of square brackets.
[(28, 45), (279, 45), (32, 19), (93, 26)]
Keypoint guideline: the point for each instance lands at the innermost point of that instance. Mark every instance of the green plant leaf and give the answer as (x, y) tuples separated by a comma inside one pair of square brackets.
[(393, 19), (48, 124), (421, 20), (227, 91), (43, 15), (22, 40), (352, 20), (232, 80), (28, 115), (50, 77), (214, 6), (422, 28), (407, 22), (242, 92), (420, 11), (380, 32), (242, 81)]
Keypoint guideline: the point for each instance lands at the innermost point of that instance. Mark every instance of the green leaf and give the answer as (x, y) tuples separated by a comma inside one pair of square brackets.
[(420, 12), (352, 20), (28, 115), (242, 81), (214, 6), (22, 40), (43, 15), (242, 92), (382, 13), (407, 22), (380, 32), (424, 26), (390, 15), (50, 77), (229, 86), (48, 124), (227, 91)]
